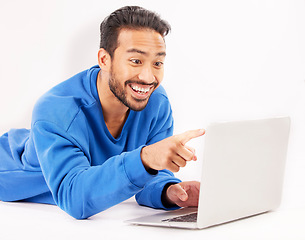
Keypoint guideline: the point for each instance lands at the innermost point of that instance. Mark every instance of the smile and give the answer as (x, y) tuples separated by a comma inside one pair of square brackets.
[(140, 90)]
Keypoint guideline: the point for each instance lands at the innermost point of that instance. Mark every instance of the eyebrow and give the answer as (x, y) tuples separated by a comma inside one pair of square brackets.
[(134, 50)]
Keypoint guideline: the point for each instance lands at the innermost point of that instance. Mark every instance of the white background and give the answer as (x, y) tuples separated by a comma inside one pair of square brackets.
[(226, 60)]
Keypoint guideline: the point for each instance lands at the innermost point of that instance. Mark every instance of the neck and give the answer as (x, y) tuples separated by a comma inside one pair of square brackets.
[(115, 113)]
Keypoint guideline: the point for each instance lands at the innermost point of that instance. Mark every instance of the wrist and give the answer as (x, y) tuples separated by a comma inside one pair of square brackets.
[(143, 156)]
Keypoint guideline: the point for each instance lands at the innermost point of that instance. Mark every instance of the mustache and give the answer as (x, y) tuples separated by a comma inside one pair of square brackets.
[(155, 84)]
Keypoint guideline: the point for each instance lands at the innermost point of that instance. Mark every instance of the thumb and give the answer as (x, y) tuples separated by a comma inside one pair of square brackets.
[(181, 193)]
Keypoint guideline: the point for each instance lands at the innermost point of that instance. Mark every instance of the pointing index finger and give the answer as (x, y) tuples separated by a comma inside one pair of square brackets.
[(188, 135)]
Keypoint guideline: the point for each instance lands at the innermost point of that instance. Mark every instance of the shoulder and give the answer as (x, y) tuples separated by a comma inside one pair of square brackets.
[(160, 91), (158, 97), (158, 107), (158, 117), (62, 103)]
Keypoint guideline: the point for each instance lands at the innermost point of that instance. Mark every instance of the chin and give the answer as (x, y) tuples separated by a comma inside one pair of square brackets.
[(139, 105), (138, 108)]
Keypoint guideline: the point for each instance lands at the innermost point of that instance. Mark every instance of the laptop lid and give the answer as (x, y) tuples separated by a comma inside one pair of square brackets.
[(242, 173), (243, 169)]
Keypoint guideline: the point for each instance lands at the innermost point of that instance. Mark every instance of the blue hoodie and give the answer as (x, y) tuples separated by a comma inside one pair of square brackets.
[(69, 158)]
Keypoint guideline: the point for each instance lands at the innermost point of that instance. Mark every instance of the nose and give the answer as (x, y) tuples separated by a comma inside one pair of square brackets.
[(146, 75)]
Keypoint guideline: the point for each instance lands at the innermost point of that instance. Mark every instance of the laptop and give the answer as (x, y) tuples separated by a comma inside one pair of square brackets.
[(242, 174)]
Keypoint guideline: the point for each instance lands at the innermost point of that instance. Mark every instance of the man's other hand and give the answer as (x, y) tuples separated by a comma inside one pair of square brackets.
[(170, 153), (184, 194)]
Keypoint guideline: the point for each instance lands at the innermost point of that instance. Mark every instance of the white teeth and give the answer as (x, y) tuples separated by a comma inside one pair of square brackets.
[(139, 89)]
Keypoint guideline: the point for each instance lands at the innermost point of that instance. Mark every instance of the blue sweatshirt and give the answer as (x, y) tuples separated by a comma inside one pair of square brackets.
[(69, 158)]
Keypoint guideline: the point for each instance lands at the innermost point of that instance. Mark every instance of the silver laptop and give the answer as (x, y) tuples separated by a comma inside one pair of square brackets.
[(242, 174)]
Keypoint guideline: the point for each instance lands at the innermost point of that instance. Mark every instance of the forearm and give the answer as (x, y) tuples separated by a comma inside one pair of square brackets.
[(100, 187)]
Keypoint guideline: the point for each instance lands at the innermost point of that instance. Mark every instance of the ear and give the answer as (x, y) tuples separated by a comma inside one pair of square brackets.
[(104, 60)]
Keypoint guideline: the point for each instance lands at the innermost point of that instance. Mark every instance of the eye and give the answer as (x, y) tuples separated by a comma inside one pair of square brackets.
[(136, 61), (158, 64)]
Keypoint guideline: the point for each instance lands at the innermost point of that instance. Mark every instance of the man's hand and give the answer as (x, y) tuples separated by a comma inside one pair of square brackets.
[(170, 153), (184, 194)]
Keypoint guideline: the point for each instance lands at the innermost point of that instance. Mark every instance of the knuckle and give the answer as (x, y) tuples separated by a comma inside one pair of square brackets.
[(175, 143)]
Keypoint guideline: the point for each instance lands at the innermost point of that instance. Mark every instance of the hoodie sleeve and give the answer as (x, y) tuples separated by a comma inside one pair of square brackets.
[(77, 187)]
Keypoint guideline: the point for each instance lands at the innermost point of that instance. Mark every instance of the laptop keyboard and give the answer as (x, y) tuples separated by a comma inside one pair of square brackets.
[(192, 217)]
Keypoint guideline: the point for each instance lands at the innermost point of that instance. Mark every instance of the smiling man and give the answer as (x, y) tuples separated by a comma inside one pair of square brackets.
[(105, 134), (136, 48)]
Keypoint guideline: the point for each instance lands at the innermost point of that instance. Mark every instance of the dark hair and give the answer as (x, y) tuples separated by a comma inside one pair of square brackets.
[(132, 17)]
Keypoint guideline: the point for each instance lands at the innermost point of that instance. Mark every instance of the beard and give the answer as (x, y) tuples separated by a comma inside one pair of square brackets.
[(121, 94)]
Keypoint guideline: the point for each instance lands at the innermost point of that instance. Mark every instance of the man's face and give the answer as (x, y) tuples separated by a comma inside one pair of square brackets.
[(137, 67)]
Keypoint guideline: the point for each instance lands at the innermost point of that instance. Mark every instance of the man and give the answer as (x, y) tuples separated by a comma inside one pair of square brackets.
[(104, 135)]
